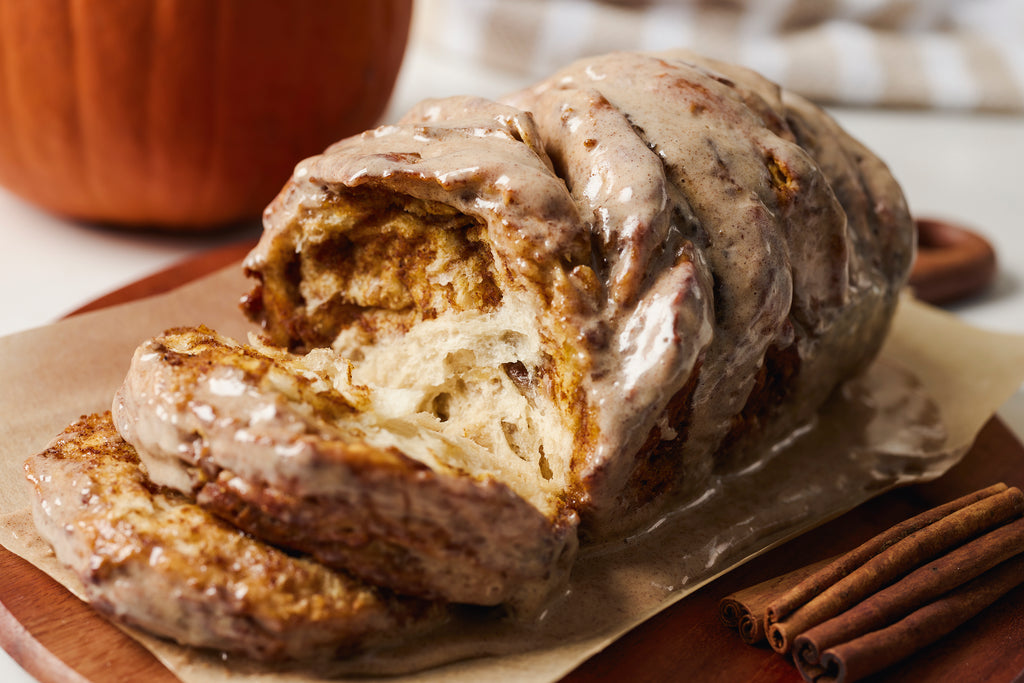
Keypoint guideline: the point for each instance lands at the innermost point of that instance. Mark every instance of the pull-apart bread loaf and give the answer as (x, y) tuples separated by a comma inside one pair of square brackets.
[(627, 276), (494, 327)]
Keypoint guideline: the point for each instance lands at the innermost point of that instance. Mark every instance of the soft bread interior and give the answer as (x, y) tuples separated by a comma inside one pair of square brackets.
[(458, 392)]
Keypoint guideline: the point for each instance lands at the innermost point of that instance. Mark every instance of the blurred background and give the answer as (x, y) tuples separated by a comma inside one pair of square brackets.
[(894, 53)]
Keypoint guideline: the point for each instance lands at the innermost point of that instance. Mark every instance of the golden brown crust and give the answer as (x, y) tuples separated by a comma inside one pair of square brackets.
[(149, 557)]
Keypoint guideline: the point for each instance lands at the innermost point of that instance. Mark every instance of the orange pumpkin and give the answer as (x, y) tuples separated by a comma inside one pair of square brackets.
[(184, 114)]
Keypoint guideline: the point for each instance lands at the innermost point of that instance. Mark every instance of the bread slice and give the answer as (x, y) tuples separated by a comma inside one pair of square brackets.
[(150, 558), (293, 450)]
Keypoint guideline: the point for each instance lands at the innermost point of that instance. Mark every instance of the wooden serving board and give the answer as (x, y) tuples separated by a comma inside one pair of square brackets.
[(58, 638)]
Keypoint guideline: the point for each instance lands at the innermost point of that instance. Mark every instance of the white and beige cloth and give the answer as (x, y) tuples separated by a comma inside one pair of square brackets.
[(953, 54)]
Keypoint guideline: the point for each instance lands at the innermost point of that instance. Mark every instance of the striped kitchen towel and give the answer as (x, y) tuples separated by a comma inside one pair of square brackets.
[(960, 54)]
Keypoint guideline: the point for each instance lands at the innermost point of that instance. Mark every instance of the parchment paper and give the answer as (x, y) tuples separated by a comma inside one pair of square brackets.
[(911, 417)]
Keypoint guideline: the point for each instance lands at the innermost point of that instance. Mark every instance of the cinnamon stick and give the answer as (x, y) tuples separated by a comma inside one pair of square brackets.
[(843, 565), (744, 610), (915, 590), (877, 650), (893, 561)]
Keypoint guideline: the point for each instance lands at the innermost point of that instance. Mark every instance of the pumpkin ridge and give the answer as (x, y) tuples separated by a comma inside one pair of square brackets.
[(17, 143)]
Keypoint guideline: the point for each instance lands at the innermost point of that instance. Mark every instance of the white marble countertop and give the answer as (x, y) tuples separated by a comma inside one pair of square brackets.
[(961, 167)]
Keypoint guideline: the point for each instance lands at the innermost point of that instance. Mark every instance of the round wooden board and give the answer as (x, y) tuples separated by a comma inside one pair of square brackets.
[(57, 638)]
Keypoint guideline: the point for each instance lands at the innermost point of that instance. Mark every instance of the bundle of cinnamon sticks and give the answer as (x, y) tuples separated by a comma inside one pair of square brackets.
[(853, 615)]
